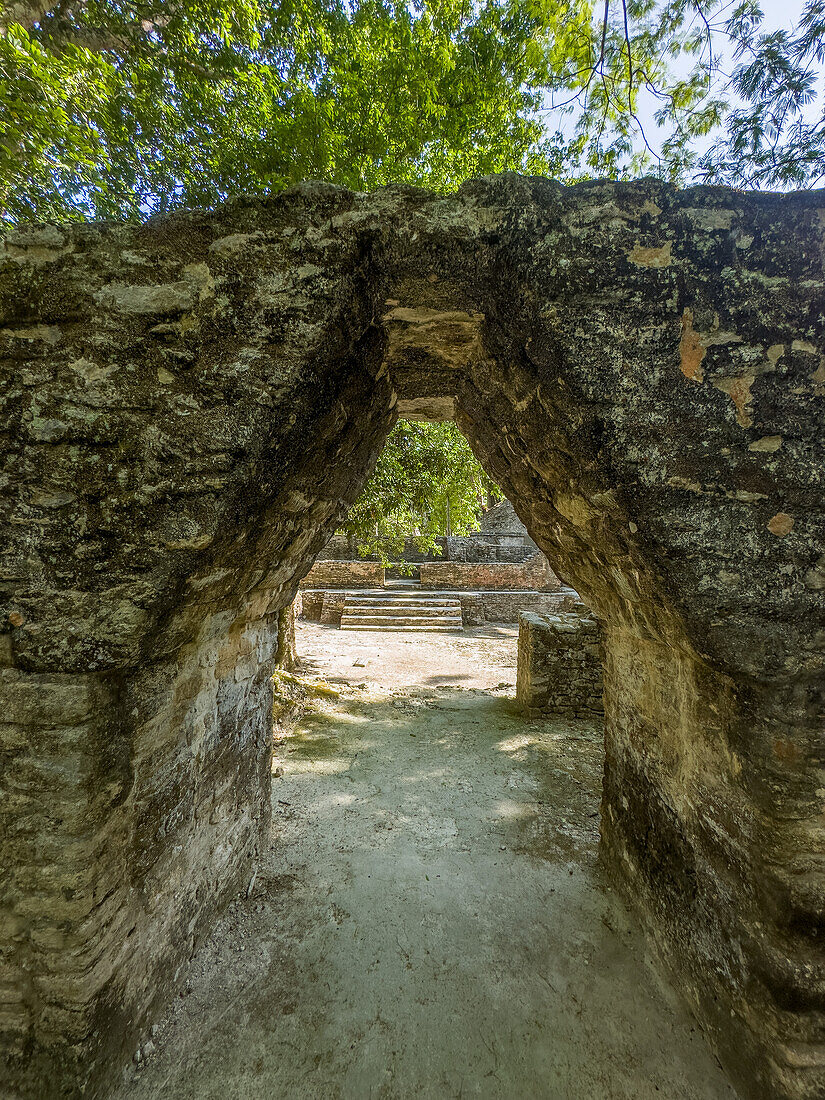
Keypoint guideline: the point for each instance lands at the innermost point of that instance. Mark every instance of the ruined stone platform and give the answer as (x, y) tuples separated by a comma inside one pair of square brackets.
[(403, 609), (477, 606)]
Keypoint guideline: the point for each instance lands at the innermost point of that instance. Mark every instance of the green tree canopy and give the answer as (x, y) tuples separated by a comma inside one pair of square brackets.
[(426, 483), (775, 127), (119, 108)]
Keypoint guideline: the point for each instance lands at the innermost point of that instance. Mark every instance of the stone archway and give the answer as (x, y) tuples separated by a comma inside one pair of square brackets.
[(191, 404)]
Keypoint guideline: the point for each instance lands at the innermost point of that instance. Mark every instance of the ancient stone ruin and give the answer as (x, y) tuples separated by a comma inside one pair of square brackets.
[(189, 407), (488, 576), (560, 664)]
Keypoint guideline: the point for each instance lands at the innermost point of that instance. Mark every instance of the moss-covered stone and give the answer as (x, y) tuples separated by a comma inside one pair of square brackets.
[(189, 406)]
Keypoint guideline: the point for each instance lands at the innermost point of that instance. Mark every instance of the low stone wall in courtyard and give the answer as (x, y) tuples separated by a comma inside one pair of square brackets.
[(347, 574), (324, 605), (478, 608), (535, 573), (560, 664)]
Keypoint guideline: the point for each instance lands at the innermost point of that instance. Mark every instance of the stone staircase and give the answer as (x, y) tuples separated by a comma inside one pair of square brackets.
[(414, 611)]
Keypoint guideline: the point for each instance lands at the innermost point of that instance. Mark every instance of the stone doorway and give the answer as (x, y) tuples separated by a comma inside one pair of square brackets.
[(191, 405)]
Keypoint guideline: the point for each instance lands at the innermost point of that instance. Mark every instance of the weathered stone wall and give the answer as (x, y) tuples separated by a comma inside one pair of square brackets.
[(559, 665), (489, 548), (495, 606), (502, 520), (345, 574), (312, 600), (505, 607), (535, 574), (156, 521), (286, 655), (332, 607), (188, 408), (323, 605)]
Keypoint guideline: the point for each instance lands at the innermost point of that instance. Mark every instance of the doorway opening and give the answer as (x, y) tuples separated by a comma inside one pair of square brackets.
[(429, 917)]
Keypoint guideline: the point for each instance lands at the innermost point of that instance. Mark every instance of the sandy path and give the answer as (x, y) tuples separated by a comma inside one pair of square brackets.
[(429, 920)]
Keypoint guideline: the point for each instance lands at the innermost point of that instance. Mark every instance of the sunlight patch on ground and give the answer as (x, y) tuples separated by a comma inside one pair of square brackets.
[(507, 808), (518, 741)]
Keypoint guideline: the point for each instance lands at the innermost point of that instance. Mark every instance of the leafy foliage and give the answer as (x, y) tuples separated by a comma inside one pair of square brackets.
[(426, 483), (776, 137), (117, 108)]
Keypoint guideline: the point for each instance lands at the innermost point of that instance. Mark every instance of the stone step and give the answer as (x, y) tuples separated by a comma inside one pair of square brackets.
[(403, 601), (452, 621), (399, 629), (423, 609), (417, 611)]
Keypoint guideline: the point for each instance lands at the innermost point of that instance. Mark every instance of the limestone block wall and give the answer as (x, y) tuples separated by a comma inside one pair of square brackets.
[(339, 548), (312, 600), (489, 548), (345, 574), (559, 665), (493, 606), (332, 607), (501, 519), (506, 607), (535, 573), (480, 547), (323, 605)]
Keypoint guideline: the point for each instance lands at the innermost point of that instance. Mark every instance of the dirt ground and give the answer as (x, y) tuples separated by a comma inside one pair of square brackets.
[(483, 659), (429, 920)]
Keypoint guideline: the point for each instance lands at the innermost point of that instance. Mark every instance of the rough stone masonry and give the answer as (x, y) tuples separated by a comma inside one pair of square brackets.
[(190, 405), (559, 664)]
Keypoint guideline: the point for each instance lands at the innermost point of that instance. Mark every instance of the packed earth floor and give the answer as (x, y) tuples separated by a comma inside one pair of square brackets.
[(429, 919)]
